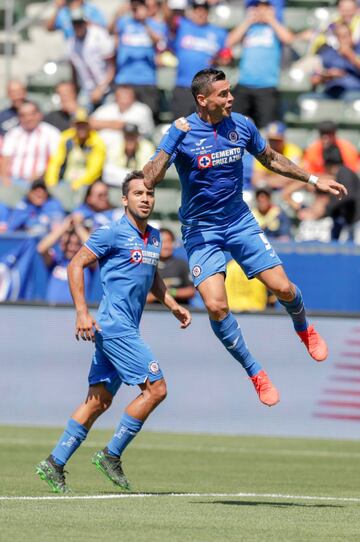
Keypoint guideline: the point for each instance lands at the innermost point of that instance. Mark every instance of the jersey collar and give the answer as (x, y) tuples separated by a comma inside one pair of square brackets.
[(145, 236)]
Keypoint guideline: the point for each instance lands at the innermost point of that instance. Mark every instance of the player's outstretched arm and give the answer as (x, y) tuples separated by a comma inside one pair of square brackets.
[(278, 163), (85, 323), (159, 290), (154, 170)]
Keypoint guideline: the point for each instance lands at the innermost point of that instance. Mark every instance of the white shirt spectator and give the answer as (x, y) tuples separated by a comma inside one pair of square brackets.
[(30, 151), (138, 113), (89, 56)]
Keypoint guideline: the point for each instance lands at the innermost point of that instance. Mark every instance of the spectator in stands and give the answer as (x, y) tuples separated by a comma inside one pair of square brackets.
[(62, 16), (196, 44), (271, 218), (279, 6), (91, 53), (340, 71), (313, 156), (347, 13), (261, 37), (345, 212), (57, 249), (244, 294), (275, 133), (132, 153), (26, 148), (4, 216), (62, 117), (38, 212), (9, 118), (174, 271), (110, 118), (138, 36), (96, 210), (79, 157)]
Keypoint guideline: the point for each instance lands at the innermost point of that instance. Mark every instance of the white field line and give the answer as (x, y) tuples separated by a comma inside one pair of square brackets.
[(186, 495), (198, 449)]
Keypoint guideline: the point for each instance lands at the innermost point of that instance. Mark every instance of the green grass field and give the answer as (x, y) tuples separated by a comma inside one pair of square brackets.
[(197, 490)]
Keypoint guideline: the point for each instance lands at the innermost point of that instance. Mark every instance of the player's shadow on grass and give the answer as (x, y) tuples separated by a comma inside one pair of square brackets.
[(269, 503)]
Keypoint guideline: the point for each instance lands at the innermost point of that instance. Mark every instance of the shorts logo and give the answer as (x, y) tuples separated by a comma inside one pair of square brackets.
[(204, 161), (136, 256), (155, 241), (233, 136), (196, 271), (154, 367)]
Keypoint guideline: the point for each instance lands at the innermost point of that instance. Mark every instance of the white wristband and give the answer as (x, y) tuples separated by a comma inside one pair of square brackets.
[(313, 180)]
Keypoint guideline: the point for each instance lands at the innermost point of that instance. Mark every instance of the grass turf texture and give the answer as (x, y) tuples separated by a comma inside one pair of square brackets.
[(172, 463)]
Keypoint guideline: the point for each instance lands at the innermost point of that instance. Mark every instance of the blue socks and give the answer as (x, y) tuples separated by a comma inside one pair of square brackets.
[(296, 310), (229, 333), (70, 440), (128, 429)]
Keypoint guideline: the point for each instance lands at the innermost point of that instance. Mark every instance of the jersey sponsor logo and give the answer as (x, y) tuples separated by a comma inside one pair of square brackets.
[(220, 158), (200, 142), (233, 136), (196, 271), (154, 367), (204, 161), (136, 256)]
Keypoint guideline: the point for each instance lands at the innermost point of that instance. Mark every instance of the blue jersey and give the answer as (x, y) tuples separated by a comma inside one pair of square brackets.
[(127, 261), (195, 47), (27, 216), (63, 18), (260, 48), (209, 162), (135, 58)]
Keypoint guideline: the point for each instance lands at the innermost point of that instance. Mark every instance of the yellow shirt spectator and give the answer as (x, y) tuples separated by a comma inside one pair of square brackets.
[(80, 156)]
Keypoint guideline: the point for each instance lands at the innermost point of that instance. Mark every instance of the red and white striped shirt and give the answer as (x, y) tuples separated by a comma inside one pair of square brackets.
[(30, 151)]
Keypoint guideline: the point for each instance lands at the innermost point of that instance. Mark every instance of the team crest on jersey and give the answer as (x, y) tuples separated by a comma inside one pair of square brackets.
[(204, 161), (233, 136), (155, 241), (154, 367), (196, 270), (136, 256)]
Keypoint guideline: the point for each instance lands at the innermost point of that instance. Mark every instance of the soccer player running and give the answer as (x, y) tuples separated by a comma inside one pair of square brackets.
[(128, 252), (207, 149)]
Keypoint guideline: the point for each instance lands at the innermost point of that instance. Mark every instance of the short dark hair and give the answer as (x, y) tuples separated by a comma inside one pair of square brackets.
[(91, 186), (136, 174), (166, 230), (39, 183), (332, 156), (202, 81), (327, 127)]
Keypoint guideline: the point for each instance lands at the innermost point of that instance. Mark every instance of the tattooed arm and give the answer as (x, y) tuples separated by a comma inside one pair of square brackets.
[(154, 171), (85, 323), (278, 163)]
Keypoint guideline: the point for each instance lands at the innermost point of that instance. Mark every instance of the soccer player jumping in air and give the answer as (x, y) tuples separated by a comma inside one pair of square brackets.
[(128, 253), (207, 149)]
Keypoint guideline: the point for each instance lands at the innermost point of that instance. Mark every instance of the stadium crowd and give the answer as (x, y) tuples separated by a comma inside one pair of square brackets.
[(61, 172)]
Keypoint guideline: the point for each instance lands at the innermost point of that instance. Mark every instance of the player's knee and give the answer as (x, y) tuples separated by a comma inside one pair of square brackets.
[(284, 291), (159, 391), (217, 308)]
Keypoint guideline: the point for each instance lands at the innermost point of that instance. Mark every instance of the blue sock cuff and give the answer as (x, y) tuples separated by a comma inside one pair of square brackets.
[(131, 423), (294, 302), (76, 429), (220, 326)]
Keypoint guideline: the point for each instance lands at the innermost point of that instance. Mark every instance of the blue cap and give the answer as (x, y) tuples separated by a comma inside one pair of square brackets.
[(251, 3), (275, 130)]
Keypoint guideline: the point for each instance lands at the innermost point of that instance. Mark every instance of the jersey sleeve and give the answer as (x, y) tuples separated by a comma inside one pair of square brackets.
[(101, 241), (256, 144)]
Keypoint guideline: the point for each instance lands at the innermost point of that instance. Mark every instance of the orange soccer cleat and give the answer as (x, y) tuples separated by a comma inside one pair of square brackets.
[(265, 389), (315, 344)]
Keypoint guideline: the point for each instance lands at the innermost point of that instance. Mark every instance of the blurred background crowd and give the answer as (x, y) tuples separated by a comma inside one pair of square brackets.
[(90, 87)]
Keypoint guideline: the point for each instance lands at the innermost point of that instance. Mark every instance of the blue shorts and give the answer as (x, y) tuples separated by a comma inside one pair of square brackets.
[(243, 238), (123, 359)]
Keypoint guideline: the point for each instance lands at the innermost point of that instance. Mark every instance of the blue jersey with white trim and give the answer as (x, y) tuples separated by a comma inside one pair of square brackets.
[(210, 167), (127, 261)]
